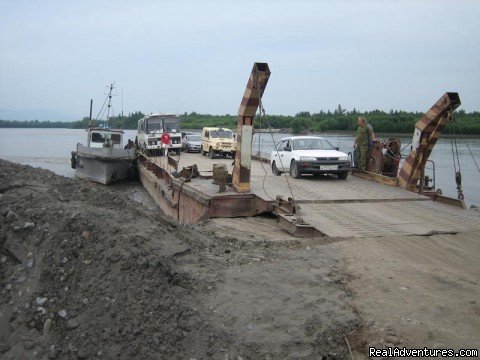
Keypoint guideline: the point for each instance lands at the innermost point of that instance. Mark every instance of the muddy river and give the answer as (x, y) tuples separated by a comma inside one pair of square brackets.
[(50, 149)]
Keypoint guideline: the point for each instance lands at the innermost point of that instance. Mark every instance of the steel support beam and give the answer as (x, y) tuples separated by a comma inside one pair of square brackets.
[(427, 131), (250, 102)]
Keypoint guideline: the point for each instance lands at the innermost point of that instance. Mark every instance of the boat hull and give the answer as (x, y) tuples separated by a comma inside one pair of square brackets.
[(104, 165)]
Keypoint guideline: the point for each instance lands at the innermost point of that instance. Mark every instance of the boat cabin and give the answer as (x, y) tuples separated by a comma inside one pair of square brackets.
[(105, 138)]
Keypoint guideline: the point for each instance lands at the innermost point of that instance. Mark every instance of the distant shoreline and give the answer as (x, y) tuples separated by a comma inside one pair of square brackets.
[(394, 122), (339, 132)]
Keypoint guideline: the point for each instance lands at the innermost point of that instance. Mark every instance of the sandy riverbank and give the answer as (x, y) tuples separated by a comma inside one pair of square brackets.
[(88, 273)]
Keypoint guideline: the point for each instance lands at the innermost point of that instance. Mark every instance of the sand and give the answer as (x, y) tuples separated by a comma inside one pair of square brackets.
[(94, 272), (87, 273)]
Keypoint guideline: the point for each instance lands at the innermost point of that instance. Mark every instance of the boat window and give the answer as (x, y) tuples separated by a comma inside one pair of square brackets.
[(171, 125), (116, 138), (98, 138), (222, 134), (154, 125), (312, 144)]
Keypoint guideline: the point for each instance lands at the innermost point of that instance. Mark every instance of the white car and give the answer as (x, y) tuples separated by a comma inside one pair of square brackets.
[(309, 155)]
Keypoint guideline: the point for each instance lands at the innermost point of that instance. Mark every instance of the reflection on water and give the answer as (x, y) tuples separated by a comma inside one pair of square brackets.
[(51, 148)]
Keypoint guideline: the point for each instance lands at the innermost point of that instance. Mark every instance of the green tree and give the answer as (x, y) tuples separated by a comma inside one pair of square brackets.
[(339, 110)]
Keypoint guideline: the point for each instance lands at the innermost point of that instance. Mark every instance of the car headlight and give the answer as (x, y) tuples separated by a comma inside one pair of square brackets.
[(343, 158), (307, 158)]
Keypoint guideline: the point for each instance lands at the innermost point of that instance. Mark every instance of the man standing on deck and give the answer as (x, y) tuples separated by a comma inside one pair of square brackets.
[(364, 137), (165, 138)]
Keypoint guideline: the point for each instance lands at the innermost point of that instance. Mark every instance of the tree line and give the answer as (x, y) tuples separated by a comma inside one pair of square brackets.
[(303, 122)]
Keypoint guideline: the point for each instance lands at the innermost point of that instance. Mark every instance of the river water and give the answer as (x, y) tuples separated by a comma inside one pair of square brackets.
[(50, 149)]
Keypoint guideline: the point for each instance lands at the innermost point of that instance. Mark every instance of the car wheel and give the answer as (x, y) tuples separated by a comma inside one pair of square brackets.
[(233, 154), (342, 175), (295, 171), (211, 153), (203, 152), (275, 170)]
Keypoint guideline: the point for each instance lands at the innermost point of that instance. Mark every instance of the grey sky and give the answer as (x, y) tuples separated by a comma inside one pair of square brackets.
[(177, 56)]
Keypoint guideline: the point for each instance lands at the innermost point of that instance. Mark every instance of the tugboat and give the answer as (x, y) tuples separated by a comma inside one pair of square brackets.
[(104, 159)]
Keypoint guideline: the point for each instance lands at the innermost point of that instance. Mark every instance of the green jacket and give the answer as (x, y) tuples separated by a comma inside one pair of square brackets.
[(364, 133)]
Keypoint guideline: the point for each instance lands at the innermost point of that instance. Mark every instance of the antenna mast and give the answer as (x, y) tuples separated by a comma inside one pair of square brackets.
[(90, 118), (109, 105)]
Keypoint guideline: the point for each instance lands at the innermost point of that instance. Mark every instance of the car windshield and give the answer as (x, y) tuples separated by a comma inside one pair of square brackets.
[(221, 134), (312, 144), (193, 138)]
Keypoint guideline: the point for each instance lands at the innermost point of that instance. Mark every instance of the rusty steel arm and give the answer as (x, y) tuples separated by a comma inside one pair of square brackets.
[(427, 131), (256, 85)]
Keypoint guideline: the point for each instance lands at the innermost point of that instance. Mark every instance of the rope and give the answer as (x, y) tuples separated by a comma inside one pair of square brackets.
[(262, 110), (101, 109), (390, 152), (453, 154), (410, 143), (259, 151), (349, 348), (181, 146), (458, 174), (468, 147)]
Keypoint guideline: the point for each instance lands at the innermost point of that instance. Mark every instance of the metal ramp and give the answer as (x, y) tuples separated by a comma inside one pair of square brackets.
[(337, 208), (389, 218)]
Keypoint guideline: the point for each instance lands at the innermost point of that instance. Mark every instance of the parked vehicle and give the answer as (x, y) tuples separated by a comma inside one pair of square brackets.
[(218, 141), (308, 155), (192, 143), (151, 128)]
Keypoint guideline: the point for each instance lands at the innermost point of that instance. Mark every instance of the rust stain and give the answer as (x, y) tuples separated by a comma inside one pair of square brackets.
[(431, 126), (256, 85)]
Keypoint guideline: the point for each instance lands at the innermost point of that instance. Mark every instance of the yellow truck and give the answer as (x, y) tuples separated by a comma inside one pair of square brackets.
[(218, 141)]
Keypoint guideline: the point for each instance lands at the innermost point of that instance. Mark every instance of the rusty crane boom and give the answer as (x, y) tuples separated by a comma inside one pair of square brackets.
[(256, 85)]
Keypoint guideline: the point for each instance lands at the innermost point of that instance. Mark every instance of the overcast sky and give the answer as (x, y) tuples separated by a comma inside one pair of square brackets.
[(184, 56)]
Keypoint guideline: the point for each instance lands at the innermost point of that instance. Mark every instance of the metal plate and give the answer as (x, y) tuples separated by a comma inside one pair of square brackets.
[(388, 218), (246, 150), (328, 167)]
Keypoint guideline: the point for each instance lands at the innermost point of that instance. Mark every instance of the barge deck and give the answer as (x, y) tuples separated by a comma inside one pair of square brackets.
[(354, 207)]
